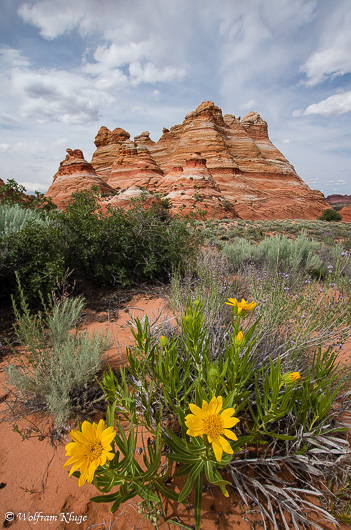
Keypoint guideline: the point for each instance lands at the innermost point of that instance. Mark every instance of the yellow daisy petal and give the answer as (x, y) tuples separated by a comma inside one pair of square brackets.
[(196, 410), (229, 434), (78, 437), (227, 413), (87, 427), (218, 451), (230, 422), (225, 445), (89, 449), (74, 467)]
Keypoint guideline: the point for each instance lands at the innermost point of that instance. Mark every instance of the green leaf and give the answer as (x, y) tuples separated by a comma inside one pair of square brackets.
[(198, 500), (145, 493), (194, 473), (184, 458), (105, 498), (184, 470), (166, 492), (123, 498)]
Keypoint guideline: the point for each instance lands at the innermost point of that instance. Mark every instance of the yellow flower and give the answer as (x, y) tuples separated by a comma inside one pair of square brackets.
[(241, 306), (240, 338), (291, 378), (208, 420), (163, 341), (89, 449)]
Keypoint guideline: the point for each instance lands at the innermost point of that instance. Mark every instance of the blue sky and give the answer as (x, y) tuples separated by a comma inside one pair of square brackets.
[(70, 66)]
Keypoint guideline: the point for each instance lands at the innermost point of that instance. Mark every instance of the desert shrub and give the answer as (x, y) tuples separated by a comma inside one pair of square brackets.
[(124, 246), (183, 394), (55, 366), (330, 215), (117, 247), (37, 254), (297, 312), (276, 253), (14, 218)]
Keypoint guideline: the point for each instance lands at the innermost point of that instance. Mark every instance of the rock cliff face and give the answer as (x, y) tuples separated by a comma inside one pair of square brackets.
[(74, 174), (338, 200), (221, 165)]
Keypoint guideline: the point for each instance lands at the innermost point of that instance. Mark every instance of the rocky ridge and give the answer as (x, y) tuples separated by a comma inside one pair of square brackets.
[(339, 200), (222, 166)]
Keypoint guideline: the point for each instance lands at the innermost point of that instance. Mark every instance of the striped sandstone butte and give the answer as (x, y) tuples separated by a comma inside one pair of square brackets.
[(74, 174), (221, 165)]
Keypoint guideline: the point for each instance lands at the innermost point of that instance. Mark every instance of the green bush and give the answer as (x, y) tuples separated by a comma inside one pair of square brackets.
[(55, 371), (330, 215), (117, 247), (37, 254), (120, 246)]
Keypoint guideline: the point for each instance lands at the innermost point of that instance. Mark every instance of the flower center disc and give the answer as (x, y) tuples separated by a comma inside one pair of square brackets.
[(213, 426), (94, 450)]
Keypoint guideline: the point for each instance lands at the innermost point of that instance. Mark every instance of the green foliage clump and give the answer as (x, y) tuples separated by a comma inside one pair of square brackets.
[(330, 215), (115, 247), (36, 252), (124, 246), (55, 370)]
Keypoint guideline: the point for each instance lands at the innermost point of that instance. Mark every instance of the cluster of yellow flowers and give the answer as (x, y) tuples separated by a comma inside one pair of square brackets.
[(91, 447)]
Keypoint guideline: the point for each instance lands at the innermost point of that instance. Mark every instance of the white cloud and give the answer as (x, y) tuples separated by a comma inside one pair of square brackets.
[(156, 94), (332, 106), (113, 55), (149, 73), (249, 105), (333, 57), (312, 181), (55, 95), (332, 182), (11, 57), (53, 18), (23, 147)]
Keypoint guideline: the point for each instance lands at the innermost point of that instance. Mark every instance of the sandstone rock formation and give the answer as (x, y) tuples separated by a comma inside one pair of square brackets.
[(220, 165), (74, 174), (346, 213), (338, 200)]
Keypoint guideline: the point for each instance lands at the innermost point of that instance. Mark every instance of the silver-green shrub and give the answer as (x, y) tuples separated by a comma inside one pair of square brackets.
[(276, 253), (56, 363), (14, 218)]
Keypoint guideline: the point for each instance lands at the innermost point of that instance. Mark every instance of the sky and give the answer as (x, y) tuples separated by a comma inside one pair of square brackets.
[(68, 67)]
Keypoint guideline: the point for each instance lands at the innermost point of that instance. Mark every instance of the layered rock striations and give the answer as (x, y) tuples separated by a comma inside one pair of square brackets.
[(75, 174), (339, 200), (222, 165)]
